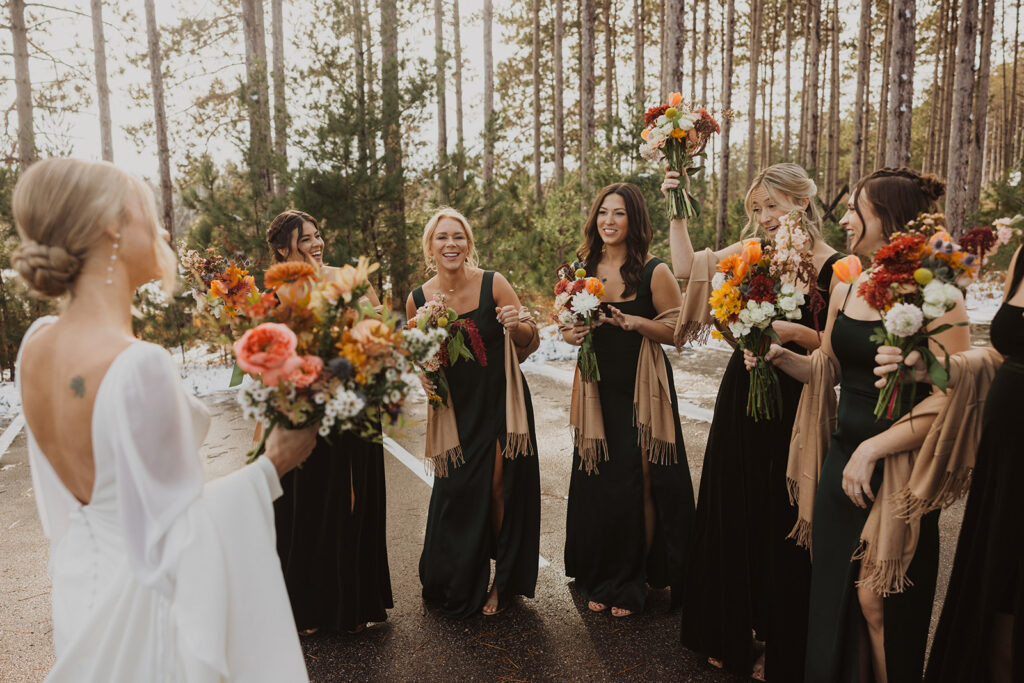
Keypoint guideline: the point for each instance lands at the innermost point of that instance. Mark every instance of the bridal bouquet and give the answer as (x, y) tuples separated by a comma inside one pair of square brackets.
[(678, 134), (317, 355), (915, 279), (578, 300), (755, 288), (985, 241), (437, 323)]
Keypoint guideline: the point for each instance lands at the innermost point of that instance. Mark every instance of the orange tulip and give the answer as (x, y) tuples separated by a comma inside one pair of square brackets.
[(752, 251), (740, 271), (848, 269), (674, 99)]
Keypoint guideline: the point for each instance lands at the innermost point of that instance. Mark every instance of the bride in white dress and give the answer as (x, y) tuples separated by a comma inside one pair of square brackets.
[(156, 576)]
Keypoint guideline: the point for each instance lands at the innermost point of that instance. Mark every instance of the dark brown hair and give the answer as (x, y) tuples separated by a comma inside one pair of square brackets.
[(279, 234), (897, 196), (638, 236)]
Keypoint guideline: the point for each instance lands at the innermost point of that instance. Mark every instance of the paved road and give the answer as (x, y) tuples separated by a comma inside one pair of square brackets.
[(553, 637)]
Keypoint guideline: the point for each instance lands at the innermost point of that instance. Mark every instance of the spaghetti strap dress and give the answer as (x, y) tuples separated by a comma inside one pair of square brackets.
[(605, 545), (743, 575), (459, 544), (331, 535), (835, 623), (987, 581)]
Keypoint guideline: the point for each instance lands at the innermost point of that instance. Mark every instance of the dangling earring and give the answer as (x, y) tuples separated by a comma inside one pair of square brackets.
[(113, 258)]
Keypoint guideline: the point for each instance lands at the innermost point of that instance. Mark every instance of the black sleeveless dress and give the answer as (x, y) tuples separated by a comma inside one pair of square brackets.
[(333, 549), (604, 537), (835, 620), (459, 544), (988, 573), (742, 573)]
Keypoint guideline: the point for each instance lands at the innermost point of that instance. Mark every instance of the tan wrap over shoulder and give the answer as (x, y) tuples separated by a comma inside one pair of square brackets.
[(443, 449)]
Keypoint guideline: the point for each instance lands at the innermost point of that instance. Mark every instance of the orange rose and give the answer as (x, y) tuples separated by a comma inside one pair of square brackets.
[(752, 251), (594, 286), (848, 269), (373, 336), (268, 350), (307, 373)]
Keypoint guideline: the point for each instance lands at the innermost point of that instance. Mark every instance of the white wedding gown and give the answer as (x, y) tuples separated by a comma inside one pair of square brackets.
[(160, 577)]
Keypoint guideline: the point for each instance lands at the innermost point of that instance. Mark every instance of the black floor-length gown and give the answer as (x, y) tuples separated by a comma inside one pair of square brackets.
[(459, 544), (987, 581), (604, 545), (743, 575), (333, 550), (835, 624)]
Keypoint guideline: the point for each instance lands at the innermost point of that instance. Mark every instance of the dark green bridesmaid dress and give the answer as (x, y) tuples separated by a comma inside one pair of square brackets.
[(604, 545), (835, 623), (459, 544)]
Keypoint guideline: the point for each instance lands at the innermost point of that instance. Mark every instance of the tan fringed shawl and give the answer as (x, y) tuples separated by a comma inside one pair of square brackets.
[(652, 409), (936, 475), (695, 321), (914, 482), (443, 449), (812, 430)]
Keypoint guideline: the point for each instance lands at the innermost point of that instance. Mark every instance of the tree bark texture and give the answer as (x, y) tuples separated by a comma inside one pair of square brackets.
[(756, 14), (163, 152), (393, 163), (280, 97), (587, 17), (863, 60), (901, 84), (813, 117), (976, 147), (559, 113), (883, 105), (99, 53), (460, 137), (789, 70), (963, 92), (722, 219), (537, 190), (257, 99), (440, 72), (488, 17), (23, 86)]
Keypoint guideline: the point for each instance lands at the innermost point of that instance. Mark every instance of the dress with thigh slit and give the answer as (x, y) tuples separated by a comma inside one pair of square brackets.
[(459, 542)]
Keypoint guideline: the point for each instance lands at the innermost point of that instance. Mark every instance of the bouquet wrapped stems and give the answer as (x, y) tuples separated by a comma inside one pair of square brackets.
[(680, 203), (587, 361), (764, 397)]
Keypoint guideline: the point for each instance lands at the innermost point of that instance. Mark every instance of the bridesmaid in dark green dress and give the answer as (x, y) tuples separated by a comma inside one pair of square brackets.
[(331, 518), (627, 524), (488, 506), (854, 634)]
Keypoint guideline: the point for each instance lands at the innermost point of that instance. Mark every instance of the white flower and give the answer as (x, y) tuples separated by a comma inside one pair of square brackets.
[(934, 293), (662, 120), (903, 320), (787, 288), (324, 431), (794, 315), (585, 303), (768, 308), (717, 280), (788, 303), (952, 295), (738, 329), (650, 153), (686, 121), (566, 318), (933, 311), (561, 299)]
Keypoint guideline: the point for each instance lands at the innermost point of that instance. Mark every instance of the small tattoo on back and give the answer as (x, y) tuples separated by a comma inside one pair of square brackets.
[(78, 386)]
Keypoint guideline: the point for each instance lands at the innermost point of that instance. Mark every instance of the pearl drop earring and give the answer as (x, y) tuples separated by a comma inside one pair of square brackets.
[(113, 258)]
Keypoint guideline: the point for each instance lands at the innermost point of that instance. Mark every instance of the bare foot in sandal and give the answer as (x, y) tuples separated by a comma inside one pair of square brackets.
[(596, 606), (491, 606), (758, 672), (620, 612), (308, 631), (717, 663)]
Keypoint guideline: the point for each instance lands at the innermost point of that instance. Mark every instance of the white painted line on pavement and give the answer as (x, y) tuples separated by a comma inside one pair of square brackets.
[(686, 409), (7, 438), (419, 468)]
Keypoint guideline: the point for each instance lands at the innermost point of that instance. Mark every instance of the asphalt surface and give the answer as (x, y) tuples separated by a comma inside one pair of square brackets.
[(551, 637)]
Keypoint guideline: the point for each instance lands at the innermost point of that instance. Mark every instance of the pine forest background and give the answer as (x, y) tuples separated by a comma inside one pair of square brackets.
[(369, 114)]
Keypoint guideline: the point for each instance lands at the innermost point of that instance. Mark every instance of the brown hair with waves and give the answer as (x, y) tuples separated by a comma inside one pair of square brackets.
[(898, 196), (638, 236)]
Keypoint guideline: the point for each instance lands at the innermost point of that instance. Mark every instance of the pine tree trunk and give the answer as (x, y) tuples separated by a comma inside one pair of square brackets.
[(361, 104), (537, 191), (722, 219), (488, 160), (767, 108), (460, 138), (901, 84), (23, 86), (756, 14), (863, 59), (638, 54), (609, 68), (940, 50), (99, 52), (280, 97), (559, 89), (160, 118), (675, 27), (821, 168), (833, 108), (706, 50), (952, 30), (1014, 136), (883, 105), (390, 102), (963, 91), (813, 117), (789, 70), (440, 74), (586, 90), (976, 146), (257, 98)]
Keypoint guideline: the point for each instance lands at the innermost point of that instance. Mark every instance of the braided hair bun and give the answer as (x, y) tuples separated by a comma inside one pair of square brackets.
[(48, 270)]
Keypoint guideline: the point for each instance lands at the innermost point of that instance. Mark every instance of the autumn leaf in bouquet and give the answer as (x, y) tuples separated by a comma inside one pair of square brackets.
[(436, 321), (578, 300)]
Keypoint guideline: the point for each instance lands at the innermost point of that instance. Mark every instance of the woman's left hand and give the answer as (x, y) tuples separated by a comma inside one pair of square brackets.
[(889, 359), (620, 319), (857, 474), (508, 316)]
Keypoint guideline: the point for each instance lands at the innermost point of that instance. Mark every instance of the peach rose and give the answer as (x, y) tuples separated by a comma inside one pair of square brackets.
[(268, 350), (372, 336), (307, 373)]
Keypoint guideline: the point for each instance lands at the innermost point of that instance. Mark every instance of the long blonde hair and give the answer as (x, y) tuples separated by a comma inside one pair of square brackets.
[(431, 226), (786, 184), (61, 209)]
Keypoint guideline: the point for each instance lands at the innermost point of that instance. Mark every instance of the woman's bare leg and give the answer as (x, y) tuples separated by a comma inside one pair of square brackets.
[(872, 607), (497, 517)]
